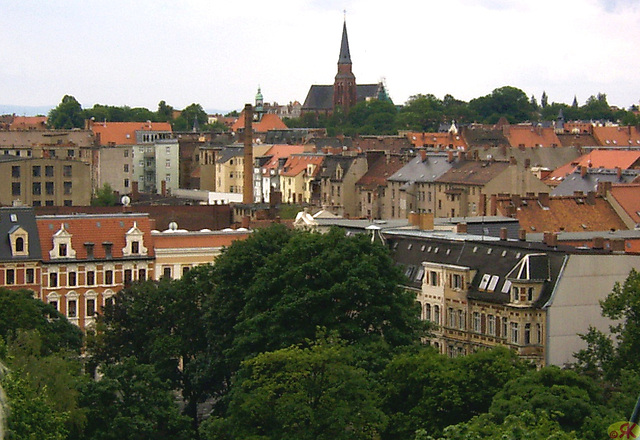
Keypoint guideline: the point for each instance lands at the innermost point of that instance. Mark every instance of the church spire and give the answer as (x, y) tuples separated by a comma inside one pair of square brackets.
[(345, 56)]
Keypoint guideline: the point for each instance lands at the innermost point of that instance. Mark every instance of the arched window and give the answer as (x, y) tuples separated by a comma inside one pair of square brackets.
[(19, 244)]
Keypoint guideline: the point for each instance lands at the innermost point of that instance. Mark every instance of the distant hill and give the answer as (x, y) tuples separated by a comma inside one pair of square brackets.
[(25, 110)]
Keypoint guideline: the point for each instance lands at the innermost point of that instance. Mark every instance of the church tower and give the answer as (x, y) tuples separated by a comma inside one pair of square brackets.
[(344, 86)]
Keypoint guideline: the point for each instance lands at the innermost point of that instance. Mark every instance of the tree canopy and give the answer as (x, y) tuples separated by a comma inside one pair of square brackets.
[(68, 114)]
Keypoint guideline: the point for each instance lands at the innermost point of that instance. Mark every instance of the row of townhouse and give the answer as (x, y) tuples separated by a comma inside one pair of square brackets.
[(79, 262)]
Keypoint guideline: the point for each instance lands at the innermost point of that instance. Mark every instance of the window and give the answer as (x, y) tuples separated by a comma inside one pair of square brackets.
[(72, 308), (19, 244), (108, 301), (168, 150), (15, 171), (89, 248), (126, 153), (427, 312), (54, 303), (433, 278), (539, 333), (167, 177), (127, 277), (461, 320), (53, 279), (504, 328), (185, 270), (71, 153), (10, 276), (36, 171), (452, 318), (66, 171), (91, 307), (126, 167), (67, 202), (514, 332), (107, 249), (476, 322), (48, 171), (67, 187), (167, 164), (15, 188), (37, 188), (436, 314), (530, 294), (126, 183), (142, 274), (62, 250), (72, 279), (48, 203), (491, 327), (527, 333), (135, 247), (457, 281), (108, 277), (30, 276), (166, 272), (48, 188), (91, 278)]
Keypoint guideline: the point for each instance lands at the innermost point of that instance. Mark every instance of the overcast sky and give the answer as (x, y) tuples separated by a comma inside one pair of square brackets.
[(216, 53)]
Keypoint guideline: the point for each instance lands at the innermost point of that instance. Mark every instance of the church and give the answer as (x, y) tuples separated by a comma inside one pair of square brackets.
[(344, 93)]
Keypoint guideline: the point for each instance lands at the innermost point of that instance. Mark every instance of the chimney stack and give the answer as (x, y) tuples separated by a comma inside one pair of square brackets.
[(591, 198), (247, 190), (450, 156), (461, 228), (598, 243), (543, 199), (583, 171), (503, 234), (522, 235)]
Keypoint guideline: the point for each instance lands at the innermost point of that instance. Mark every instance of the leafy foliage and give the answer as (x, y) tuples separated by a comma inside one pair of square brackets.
[(105, 196), (68, 114), (302, 393)]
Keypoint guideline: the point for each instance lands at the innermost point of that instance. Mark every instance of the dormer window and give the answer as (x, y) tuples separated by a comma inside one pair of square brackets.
[(134, 242), (135, 247), (107, 249), (62, 244), (19, 244), (89, 248)]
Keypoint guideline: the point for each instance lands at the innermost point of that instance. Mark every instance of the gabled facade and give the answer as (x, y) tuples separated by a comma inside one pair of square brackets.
[(87, 259), (19, 250), (299, 181), (372, 187), (268, 166), (338, 178)]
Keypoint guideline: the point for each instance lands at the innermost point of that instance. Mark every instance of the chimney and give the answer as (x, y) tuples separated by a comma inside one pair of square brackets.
[(543, 199), (503, 234), (135, 193), (591, 198), (583, 171), (247, 190), (461, 228), (550, 239), (522, 234), (513, 160), (598, 243), (527, 163), (493, 205), (414, 219), (426, 221), (617, 245), (450, 156), (163, 186), (476, 155), (461, 156), (423, 155), (482, 205), (516, 200), (619, 173), (246, 220), (603, 188)]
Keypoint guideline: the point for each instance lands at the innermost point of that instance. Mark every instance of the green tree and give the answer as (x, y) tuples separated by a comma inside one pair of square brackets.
[(421, 113), (164, 112), (19, 310), (509, 102), (189, 114), (105, 196), (544, 101), (67, 115), (303, 393), (131, 402), (373, 117), (426, 390)]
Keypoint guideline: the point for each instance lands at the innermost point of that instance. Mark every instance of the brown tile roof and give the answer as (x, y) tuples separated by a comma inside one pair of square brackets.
[(617, 136), (124, 133), (565, 213), (628, 197), (379, 171), (529, 136), (28, 123), (95, 229), (269, 122), (577, 140), (196, 240), (437, 140), (392, 144), (473, 172), (297, 163), (607, 159), (278, 151)]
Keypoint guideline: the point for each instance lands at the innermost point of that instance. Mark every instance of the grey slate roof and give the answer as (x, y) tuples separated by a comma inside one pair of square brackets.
[(320, 97), (331, 163), (417, 170), (227, 153), (575, 182), (10, 220)]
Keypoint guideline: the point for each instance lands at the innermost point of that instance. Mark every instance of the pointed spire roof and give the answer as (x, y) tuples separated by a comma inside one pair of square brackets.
[(345, 56)]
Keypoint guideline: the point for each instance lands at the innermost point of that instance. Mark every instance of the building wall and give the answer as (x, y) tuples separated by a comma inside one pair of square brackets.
[(58, 182), (586, 279), (116, 168), (230, 175), (207, 169)]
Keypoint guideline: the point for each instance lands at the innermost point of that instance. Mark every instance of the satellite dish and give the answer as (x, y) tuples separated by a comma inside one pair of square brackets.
[(173, 226), (125, 200)]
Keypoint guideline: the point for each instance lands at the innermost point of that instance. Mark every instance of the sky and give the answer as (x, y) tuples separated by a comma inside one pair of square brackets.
[(217, 53)]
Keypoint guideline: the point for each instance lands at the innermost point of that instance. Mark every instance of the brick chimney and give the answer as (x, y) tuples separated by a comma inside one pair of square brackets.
[(522, 234), (423, 155), (513, 160), (543, 199), (603, 188), (414, 219), (617, 245), (619, 173), (598, 243), (527, 162), (163, 186), (461, 228), (461, 156), (503, 234), (591, 198), (450, 156), (583, 171), (493, 205), (135, 193), (426, 221), (482, 205)]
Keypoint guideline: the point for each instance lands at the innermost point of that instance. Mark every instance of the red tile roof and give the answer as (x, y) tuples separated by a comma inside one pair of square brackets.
[(528, 136), (617, 136), (628, 197), (197, 240), (28, 122), (437, 140), (281, 150), (379, 171), (566, 213), (608, 159), (124, 133), (95, 229), (297, 163), (268, 122)]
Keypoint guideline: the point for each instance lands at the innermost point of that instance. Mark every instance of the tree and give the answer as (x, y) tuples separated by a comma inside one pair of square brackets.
[(303, 393), (421, 113), (131, 402), (188, 116), (544, 100), (426, 390), (67, 115), (19, 310), (164, 112), (105, 196), (373, 117), (509, 102)]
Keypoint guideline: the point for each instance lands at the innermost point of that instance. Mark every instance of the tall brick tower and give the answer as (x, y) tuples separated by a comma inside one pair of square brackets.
[(344, 86)]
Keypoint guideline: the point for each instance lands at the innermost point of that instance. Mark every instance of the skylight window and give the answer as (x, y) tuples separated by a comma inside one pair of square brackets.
[(506, 287), (485, 280), (493, 283)]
